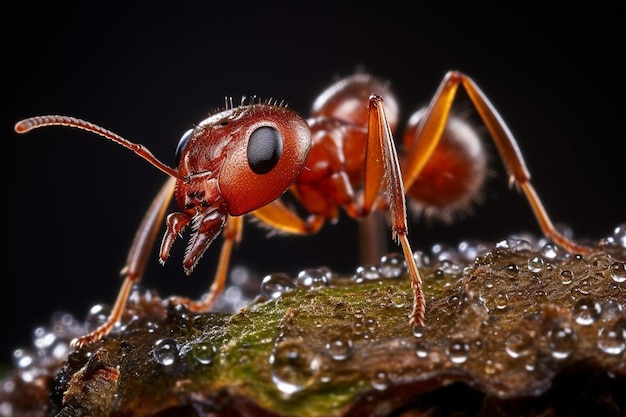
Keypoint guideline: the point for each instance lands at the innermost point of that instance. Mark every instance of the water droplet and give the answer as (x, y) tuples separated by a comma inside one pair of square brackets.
[(618, 272), (562, 340), (503, 244), (418, 331), (380, 381), (520, 245), (421, 349), (611, 309), (312, 278), (587, 311), (204, 352), (97, 316), (275, 285), (421, 259), (512, 270), (612, 339), (340, 347), (457, 350), (518, 344), (6, 409), (367, 272), (294, 367), (166, 351), (535, 264), (501, 301), (566, 276), (550, 251), (23, 359), (44, 338), (392, 265)]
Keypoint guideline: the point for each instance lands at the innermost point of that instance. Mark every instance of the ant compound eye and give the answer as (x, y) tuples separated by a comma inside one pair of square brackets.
[(265, 147), (182, 143)]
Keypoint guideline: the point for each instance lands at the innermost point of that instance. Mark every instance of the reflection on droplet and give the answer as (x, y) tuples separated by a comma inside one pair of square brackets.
[(612, 339), (586, 311), (457, 350), (340, 347), (566, 276), (166, 351), (550, 251), (562, 340), (512, 270), (294, 367), (618, 272), (367, 272), (418, 331), (204, 352), (275, 285), (312, 278), (518, 344), (392, 266), (501, 301), (96, 317), (535, 264), (22, 358), (380, 381)]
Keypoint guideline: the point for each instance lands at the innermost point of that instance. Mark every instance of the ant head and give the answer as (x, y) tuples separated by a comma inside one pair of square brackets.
[(255, 151)]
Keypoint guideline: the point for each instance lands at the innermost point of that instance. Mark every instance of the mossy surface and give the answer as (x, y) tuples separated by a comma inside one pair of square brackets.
[(517, 328)]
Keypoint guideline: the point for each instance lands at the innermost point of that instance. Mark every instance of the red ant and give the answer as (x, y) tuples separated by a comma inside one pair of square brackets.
[(241, 160)]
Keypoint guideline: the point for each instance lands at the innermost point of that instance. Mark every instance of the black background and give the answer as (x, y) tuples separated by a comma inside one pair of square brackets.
[(72, 200)]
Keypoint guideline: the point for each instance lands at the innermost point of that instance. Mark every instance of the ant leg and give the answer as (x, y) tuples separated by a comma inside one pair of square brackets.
[(433, 124), (277, 216), (232, 234), (136, 261), (380, 146)]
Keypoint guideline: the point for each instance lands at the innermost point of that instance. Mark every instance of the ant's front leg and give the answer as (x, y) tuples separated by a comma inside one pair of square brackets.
[(136, 261), (430, 131), (232, 233), (381, 147)]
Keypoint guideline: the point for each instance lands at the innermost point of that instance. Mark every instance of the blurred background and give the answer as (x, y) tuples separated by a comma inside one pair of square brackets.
[(73, 200)]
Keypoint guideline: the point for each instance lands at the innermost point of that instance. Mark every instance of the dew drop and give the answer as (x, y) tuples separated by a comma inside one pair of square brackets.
[(457, 350), (618, 272), (392, 266), (44, 338), (550, 251), (275, 285), (380, 381), (97, 316), (418, 331), (501, 301), (512, 270), (312, 278), (204, 352), (166, 351), (421, 349), (340, 347), (587, 311), (611, 309), (367, 272), (294, 367), (518, 344), (6, 409), (562, 340), (566, 276), (23, 359), (612, 339), (535, 264)]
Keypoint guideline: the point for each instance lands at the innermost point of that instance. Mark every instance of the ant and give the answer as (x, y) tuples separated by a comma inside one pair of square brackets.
[(241, 160)]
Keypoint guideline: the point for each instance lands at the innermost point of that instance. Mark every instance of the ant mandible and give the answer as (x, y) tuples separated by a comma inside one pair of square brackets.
[(241, 160)]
